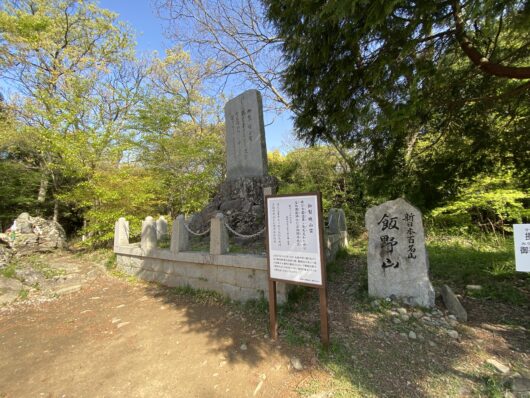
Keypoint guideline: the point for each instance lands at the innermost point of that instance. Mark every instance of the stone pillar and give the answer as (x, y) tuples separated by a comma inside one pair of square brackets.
[(218, 235), (121, 232), (343, 229), (179, 235), (333, 221), (161, 228), (148, 240)]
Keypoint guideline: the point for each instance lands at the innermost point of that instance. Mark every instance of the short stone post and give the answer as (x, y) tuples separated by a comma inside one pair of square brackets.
[(343, 229), (179, 235), (218, 235), (121, 232), (161, 228), (148, 240)]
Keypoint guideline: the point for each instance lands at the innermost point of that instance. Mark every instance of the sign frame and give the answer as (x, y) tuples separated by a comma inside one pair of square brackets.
[(519, 242), (322, 288)]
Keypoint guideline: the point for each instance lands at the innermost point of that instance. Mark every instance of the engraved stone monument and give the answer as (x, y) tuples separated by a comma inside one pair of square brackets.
[(397, 258), (240, 196), (246, 152)]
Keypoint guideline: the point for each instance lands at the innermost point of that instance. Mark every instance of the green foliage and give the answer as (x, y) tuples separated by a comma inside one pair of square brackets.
[(9, 271), (181, 139), (69, 63), (335, 268), (23, 294), (489, 202), (393, 87), (492, 387), (124, 191), (103, 135), (309, 170), (320, 168), (20, 185), (110, 264)]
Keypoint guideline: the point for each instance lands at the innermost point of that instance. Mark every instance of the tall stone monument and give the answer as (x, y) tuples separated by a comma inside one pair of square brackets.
[(397, 258), (246, 151), (240, 196)]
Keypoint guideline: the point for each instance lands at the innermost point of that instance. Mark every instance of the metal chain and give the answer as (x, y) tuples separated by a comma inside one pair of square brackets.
[(196, 233), (244, 236)]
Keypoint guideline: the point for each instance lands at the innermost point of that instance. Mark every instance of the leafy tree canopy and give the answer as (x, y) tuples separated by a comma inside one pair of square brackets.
[(422, 96)]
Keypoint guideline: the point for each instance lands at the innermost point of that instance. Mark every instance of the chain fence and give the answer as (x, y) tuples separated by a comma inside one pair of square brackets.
[(241, 235), (232, 230), (195, 233)]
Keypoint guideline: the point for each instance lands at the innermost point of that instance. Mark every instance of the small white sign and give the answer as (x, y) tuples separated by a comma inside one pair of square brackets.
[(293, 228), (521, 238)]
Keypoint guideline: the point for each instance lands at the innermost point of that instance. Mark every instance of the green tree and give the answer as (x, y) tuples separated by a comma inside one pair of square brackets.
[(180, 135), (124, 191), (319, 168), (65, 59), (492, 203), (398, 87)]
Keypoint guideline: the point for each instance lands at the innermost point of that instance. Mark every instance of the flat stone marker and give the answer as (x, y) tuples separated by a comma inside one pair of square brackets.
[(246, 151), (397, 259)]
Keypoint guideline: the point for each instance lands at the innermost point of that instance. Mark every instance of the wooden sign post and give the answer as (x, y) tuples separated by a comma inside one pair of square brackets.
[(295, 250)]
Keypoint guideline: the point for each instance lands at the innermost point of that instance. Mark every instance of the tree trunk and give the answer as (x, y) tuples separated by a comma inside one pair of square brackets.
[(43, 188), (56, 210)]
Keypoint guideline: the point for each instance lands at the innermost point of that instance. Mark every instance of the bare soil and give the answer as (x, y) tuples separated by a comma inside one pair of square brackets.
[(116, 337)]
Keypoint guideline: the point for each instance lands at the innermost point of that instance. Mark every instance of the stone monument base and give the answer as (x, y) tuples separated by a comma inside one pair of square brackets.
[(412, 292), (241, 200)]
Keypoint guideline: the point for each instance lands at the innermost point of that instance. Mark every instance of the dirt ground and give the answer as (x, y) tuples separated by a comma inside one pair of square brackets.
[(114, 338)]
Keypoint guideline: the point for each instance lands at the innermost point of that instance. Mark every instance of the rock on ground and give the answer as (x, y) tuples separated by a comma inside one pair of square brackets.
[(9, 289), (453, 305)]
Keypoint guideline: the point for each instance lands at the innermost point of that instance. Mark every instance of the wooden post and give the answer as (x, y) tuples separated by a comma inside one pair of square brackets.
[(324, 324), (273, 323)]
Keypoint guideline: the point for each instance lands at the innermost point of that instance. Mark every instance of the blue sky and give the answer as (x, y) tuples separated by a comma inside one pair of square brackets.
[(149, 29)]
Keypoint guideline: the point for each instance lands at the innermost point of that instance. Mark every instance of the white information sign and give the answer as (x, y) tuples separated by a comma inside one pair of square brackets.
[(521, 238), (293, 228)]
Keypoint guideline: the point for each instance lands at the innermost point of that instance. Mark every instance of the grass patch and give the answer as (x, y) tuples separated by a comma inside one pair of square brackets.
[(199, 244), (9, 271), (33, 262), (111, 262), (201, 296), (459, 260), (348, 376), (491, 387), (23, 294), (485, 260), (202, 244), (48, 272), (164, 242), (255, 308), (122, 275), (335, 268)]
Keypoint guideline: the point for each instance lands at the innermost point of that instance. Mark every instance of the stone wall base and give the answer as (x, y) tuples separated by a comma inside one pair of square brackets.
[(238, 276)]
